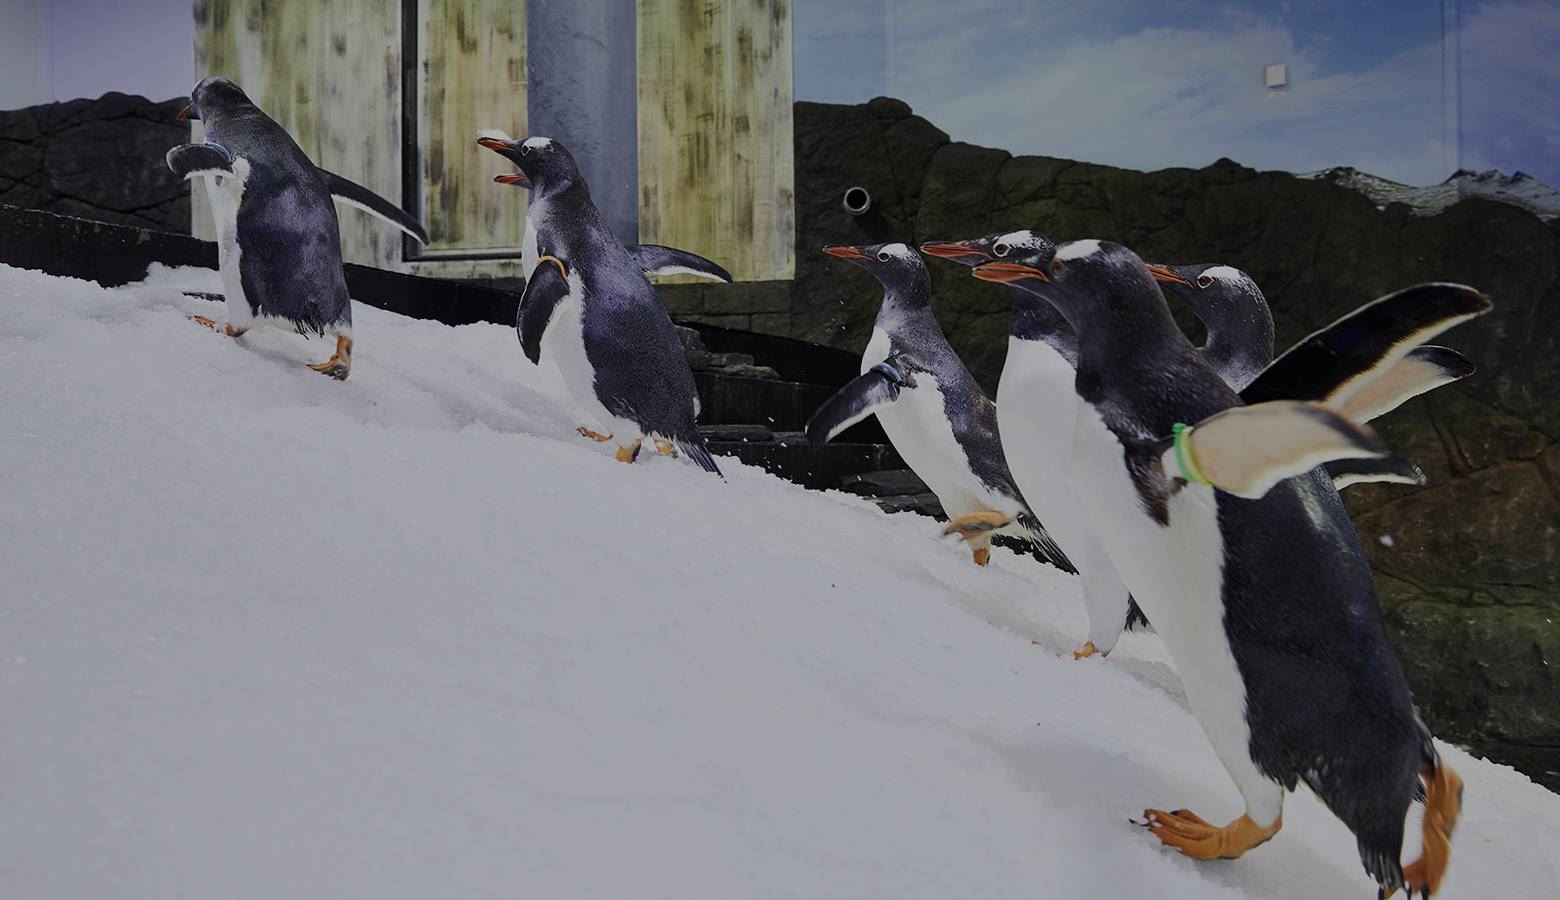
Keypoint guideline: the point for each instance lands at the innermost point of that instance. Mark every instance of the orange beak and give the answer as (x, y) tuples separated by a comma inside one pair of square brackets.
[(494, 144), (512, 178), (1162, 273), (184, 113), (845, 252), (1007, 272), (952, 250)]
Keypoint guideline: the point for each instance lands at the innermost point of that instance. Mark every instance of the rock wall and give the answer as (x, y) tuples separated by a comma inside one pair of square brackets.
[(1468, 566), (97, 159)]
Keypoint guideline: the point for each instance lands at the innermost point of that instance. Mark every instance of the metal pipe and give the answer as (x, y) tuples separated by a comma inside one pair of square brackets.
[(856, 201)]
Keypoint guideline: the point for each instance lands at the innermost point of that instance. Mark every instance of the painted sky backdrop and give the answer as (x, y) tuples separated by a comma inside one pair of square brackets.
[(1406, 89)]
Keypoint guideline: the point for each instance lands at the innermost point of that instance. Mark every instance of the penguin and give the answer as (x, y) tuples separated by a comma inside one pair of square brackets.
[(1239, 550), (933, 411), (588, 303), (1239, 346), (1035, 415), (278, 243)]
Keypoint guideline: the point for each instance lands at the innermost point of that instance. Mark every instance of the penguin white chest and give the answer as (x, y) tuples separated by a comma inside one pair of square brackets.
[(1036, 408), (225, 193), (564, 342), (918, 425), (1176, 573)]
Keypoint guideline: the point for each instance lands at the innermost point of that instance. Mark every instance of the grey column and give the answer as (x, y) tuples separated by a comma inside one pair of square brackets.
[(583, 72)]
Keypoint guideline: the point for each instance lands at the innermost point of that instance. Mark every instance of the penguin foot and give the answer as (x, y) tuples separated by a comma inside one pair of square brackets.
[(1194, 836), (628, 454), (665, 448), (339, 366), (222, 327), (1443, 803), (1086, 650), (981, 555), (595, 436), (974, 524)]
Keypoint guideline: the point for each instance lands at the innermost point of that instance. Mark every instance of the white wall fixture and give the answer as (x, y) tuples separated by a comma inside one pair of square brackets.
[(1276, 75)]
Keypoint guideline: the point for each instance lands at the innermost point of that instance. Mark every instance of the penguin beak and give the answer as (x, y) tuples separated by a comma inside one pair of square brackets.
[(185, 113), (954, 250), (494, 144), (1163, 273), (512, 178), (1008, 272), (845, 253)]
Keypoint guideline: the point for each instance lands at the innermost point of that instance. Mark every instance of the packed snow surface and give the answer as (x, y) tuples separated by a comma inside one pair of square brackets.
[(1520, 189), (266, 635)]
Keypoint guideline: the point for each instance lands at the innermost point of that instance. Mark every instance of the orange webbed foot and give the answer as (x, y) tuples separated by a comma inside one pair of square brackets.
[(1443, 804), (1194, 836), (339, 366), (628, 454), (593, 435)]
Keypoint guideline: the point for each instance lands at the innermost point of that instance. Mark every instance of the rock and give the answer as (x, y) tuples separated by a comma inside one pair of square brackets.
[(925, 504), (97, 159), (888, 108)]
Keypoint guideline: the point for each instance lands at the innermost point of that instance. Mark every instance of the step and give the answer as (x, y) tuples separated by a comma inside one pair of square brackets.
[(789, 456), (884, 483)]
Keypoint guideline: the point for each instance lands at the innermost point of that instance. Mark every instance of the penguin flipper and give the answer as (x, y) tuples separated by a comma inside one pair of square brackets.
[(190, 160), (654, 259), (1334, 363), (1392, 470), (1422, 370), (547, 287), (1246, 450), (864, 395), (355, 195)]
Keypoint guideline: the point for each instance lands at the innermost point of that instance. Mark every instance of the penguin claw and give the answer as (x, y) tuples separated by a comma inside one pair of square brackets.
[(339, 366), (1194, 836), (593, 435), (222, 327), (1086, 650)]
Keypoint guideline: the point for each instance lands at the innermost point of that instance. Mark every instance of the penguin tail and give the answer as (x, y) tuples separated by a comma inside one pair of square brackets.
[(695, 450), (1136, 621), (1045, 545)]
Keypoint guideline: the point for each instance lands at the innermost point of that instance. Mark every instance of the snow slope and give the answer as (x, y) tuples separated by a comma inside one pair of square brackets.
[(1520, 189), (265, 635)]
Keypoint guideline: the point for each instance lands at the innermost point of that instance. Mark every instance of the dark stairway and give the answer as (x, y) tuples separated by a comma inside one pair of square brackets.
[(757, 392)]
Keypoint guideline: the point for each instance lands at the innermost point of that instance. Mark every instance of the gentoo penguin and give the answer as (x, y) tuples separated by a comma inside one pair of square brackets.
[(588, 302), (932, 409), (1035, 414), (1241, 554), (278, 244), (1240, 347)]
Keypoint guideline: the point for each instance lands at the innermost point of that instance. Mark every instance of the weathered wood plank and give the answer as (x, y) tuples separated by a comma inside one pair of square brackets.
[(473, 78), (715, 135)]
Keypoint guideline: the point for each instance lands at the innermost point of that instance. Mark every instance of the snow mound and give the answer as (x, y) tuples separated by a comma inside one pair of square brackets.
[(268, 635), (1520, 189)]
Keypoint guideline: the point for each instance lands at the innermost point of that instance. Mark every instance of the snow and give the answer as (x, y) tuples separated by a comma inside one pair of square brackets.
[(1519, 189), (263, 635)]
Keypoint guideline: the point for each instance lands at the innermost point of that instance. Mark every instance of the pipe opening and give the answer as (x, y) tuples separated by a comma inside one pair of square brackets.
[(857, 201)]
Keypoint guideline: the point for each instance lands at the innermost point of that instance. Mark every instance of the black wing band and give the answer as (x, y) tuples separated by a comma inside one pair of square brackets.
[(547, 286), (878, 387), (189, 160)]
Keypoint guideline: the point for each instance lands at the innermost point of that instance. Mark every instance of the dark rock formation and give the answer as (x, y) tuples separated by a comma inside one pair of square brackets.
[(96, 159), (1468, 566)]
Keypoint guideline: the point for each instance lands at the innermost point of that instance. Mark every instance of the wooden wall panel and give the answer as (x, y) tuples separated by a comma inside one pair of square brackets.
[(330, 73), (715, 138), (473, 78)]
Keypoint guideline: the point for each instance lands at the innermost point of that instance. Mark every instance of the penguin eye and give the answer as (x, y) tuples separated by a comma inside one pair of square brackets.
[(1204, 280), (524, 150), (1001, 249), (1057, 266), (882, 256)]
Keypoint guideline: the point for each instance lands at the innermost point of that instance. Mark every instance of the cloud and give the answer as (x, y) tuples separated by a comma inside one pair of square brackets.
[(1510, 70), (1175, 95)]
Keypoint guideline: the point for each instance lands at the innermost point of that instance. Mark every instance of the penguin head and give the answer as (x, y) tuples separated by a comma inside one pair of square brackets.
[(543, 163), (1208, 283), (1000, 246), (1084, 280), (213, 96), (906, 283)]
